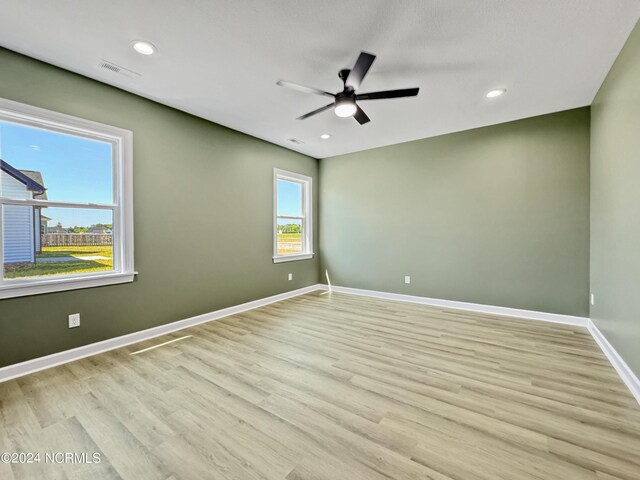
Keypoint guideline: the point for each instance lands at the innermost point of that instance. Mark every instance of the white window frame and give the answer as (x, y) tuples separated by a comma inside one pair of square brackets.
[(306, 218), (122, 208)]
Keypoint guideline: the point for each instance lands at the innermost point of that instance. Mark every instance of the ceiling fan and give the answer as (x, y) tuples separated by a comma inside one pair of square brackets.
[(344, 102)]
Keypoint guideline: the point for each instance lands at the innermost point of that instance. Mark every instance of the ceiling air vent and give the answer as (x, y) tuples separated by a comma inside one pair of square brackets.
[(112, 67), (296, 141)]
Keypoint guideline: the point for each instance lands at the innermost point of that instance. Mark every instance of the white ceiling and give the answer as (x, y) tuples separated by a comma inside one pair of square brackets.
[(220, 59)]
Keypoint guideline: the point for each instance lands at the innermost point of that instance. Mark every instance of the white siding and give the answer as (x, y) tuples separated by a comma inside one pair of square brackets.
[(36, 229), (18, 226), (12, 188), (18, 233)]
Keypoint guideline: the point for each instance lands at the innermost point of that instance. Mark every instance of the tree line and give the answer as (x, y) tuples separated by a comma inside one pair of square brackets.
[(77, 229), (289, 228)]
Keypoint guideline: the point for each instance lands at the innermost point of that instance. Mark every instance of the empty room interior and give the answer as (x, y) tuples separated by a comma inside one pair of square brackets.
[(284, 240)]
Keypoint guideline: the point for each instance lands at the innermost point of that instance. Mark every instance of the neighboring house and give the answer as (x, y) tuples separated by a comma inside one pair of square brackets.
[(44, 223), (57, 229), (96, 230), (39, 217), (22, 223)]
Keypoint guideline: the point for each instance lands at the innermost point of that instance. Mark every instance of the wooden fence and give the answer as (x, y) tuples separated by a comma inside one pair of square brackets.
[(75, 240)]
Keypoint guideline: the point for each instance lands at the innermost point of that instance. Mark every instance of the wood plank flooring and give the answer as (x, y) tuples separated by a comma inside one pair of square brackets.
[(331, 386)]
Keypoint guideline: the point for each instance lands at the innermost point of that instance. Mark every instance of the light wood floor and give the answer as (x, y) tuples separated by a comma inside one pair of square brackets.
[(334, 387)]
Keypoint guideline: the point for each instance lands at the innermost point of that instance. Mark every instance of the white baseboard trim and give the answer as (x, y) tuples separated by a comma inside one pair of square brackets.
[(628, 377), (473, 307), (31, 366)]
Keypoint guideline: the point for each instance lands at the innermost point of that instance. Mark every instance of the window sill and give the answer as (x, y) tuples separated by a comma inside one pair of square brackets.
[(22, 289), (292, 258)]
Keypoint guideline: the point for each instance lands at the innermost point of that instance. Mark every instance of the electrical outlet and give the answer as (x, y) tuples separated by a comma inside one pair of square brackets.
[(407, 279), (593, 299), (290, 276), (74, 320)]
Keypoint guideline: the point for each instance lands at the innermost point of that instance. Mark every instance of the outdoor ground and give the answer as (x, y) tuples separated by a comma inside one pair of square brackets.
[(289, 243), (64, 261)]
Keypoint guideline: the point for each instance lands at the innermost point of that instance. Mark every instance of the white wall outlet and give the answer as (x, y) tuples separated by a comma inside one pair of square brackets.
[(74, 320), (291, 276), (407, 279), (593, 299)]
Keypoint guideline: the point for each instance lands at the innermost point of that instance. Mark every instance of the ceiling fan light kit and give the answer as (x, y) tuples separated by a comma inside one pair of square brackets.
[(345, 107), (345, 102)]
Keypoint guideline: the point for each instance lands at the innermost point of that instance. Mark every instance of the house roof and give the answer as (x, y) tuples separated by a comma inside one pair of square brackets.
[(36, 177), (32, 184)]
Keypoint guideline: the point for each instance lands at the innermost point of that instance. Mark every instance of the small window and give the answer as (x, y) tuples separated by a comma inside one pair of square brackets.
[(65, 202), (293, 239)]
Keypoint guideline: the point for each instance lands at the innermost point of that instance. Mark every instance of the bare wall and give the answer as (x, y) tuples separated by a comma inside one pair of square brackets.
[(615, 204), (203, 218), (496, 215)]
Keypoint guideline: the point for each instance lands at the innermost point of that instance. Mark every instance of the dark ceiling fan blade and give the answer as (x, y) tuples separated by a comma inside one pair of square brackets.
[(319, 110), (360, 116), (302, 88), (403, 92), (360, 69)]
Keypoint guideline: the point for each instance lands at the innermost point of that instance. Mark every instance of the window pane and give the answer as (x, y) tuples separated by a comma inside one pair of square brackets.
[(289, 236), (49, 241), (289, 198), (44, 164)]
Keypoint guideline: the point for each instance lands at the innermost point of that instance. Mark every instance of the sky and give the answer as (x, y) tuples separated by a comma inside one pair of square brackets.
[(74, 169), (289, 199), (77, 169)]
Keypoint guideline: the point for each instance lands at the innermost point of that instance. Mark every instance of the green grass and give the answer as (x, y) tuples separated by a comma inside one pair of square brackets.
[(289, 237), (26, 270), (289, 243)]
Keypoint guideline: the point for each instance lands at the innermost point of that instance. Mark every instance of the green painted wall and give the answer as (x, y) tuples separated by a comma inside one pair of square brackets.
[(615, 204), (497, 215), (203, 218)]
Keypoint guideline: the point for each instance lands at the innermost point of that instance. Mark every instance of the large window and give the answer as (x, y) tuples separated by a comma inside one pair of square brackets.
[(293, 239), (66, 215)]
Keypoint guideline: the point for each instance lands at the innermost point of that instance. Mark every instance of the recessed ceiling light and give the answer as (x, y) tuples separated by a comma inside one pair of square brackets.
[(143, 47), (325, 136), (496, 93)]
